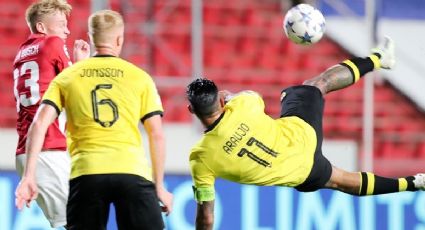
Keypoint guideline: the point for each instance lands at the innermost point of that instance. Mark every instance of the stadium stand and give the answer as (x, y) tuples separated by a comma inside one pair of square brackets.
[(244, 48)]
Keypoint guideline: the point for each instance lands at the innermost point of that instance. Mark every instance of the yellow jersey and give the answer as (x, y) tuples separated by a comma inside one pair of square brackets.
[(105, 98), (247, 146)]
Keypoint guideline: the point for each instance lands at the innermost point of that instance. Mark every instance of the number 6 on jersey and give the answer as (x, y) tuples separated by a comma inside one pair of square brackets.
[(96, 104)]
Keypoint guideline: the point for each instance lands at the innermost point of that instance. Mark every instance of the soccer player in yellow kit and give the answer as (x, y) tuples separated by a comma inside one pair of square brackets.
[(105, 97), (243, 144)]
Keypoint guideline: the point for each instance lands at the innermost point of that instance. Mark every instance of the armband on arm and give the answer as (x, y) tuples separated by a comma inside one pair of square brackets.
[(203, 194)]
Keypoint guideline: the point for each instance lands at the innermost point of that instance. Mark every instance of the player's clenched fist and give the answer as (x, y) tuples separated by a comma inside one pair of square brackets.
[(81, 50)]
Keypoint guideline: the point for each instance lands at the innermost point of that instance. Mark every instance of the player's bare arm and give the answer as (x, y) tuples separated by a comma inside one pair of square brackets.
[(156, 139), (205, 215), (27, 189)]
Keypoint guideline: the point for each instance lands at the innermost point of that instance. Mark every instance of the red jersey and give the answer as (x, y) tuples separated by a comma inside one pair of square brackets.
[(39, 60)]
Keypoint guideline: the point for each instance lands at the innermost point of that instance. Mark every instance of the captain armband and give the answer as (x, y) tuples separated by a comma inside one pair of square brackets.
[(360, 66), (203, 194)]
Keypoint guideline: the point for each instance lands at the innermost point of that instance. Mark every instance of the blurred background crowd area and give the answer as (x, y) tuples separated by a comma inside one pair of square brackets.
[(242, 46)]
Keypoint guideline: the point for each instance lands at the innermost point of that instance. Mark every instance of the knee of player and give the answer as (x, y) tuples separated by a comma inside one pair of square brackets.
[(308, 82), (317, 84)]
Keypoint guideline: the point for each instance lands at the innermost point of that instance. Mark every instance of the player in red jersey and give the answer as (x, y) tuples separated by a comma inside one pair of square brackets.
[(39, 59)]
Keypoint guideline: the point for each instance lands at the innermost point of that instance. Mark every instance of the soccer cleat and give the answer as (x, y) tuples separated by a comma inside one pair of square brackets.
[(386, 50), (419, 181)]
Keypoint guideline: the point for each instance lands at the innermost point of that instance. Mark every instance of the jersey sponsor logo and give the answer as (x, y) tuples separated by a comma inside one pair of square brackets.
[(102, 72), (233, 141)]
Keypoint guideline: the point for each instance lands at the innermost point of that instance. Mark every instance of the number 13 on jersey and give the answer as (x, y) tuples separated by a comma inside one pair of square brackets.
[(31, 83)]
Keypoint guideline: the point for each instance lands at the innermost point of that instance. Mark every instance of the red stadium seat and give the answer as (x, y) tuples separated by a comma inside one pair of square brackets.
[(420, 151)]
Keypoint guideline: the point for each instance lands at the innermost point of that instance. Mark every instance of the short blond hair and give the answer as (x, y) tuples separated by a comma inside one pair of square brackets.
[(103, 24), (37, 10)]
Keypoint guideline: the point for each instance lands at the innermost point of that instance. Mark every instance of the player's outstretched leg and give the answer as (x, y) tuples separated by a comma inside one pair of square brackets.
[(366, 183), (350, 71)]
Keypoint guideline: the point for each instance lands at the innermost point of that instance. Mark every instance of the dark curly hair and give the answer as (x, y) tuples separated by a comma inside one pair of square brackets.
[(202, 94)]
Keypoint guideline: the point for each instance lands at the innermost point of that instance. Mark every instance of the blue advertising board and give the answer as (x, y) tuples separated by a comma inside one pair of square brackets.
[(255, 208)]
